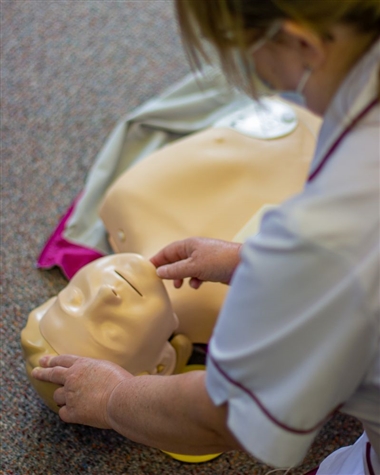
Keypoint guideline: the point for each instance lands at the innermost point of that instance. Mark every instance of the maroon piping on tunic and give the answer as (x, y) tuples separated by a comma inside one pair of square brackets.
[(266, 411), (368, 459), (341, 137), (312, 472)]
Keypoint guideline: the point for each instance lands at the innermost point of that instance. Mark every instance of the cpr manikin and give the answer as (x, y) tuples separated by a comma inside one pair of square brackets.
[(116, 309), (211, 184)]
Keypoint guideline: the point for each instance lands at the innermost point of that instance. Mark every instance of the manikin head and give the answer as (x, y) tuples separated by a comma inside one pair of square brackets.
[(116, 309)]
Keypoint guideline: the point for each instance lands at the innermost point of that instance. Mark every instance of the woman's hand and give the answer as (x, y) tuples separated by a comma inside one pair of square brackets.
[(87, 385), (172, 413), (201, 259)]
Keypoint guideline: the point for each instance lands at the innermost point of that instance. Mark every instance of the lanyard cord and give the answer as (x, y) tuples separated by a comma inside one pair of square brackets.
[(337, 142)]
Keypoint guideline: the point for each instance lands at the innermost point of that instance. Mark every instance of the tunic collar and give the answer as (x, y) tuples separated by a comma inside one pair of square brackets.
[(358, 89)]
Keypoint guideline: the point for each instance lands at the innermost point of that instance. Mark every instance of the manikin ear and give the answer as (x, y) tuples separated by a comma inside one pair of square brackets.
[(311, 46), (183, 348), (168, 360)]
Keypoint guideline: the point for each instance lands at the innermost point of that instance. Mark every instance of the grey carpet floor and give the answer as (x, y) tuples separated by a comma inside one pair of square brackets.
[(70, 70)]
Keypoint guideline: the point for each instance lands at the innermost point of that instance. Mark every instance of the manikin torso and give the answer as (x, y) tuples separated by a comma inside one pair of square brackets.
[(209, 184)]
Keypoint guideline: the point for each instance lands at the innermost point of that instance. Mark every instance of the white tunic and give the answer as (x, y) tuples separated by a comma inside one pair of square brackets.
[(298, 336)]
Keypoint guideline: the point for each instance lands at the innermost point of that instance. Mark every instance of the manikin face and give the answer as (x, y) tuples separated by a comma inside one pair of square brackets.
[(115, 308)]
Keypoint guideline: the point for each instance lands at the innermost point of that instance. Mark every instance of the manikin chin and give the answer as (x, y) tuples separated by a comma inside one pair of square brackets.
[(115, 309)]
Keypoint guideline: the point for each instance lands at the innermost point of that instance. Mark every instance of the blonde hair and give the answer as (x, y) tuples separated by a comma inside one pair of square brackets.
[(236, 23)]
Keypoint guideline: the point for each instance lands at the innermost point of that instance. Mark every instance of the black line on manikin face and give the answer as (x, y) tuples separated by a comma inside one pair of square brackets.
[(127, 281)]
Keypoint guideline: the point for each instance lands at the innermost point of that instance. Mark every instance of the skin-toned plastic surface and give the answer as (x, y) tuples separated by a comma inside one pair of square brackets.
[(116, 309), (34, 346), (209, 184)]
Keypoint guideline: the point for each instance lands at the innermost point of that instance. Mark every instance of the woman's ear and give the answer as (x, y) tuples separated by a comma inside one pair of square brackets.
[(310, 45)]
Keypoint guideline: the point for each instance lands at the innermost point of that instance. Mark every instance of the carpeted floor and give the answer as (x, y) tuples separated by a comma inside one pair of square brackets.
[(70, 70)]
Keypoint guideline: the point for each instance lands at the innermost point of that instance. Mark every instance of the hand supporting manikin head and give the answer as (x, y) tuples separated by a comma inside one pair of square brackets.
[(116, 309)]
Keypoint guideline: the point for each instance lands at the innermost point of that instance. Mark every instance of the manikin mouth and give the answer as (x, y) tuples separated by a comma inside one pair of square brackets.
[(129, 283)]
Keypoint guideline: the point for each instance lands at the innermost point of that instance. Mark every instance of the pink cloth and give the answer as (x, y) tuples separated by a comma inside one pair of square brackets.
[(58, 251)]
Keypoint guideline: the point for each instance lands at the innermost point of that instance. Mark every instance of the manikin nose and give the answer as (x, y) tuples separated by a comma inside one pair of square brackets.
[(106, 291)]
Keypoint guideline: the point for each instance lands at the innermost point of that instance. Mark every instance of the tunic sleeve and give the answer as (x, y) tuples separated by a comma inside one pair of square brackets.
[(291, 344)]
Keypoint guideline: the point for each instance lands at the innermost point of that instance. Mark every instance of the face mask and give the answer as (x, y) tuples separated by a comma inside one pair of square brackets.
[(297, 96), (264, 88)]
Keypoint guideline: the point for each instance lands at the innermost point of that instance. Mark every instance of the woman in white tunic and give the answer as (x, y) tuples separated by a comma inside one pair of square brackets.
[(298, 336)]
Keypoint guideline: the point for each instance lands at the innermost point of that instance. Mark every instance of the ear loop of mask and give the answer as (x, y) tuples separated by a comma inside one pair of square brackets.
[(297, 96), (253, 79), (271, 32), (304, 78), (262, 87)]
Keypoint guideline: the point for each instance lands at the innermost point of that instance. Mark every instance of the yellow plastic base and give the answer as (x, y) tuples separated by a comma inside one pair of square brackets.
[(193, 458)]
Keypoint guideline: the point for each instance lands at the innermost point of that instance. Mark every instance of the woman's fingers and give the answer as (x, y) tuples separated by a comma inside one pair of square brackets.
[(54, 375), (201, 259), (176, 261), (174, 252), (176, 271), (53, 368), (177, 283), (195, 283), (65, 361), (59, 397)]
